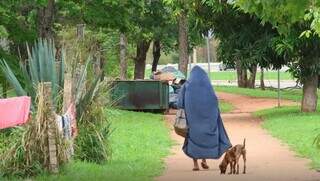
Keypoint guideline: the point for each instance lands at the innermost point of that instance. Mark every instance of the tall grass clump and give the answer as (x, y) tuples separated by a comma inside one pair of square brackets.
[(27, 153), (92, 143)]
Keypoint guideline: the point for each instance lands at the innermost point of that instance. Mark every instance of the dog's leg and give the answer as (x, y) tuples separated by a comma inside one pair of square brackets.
[(237, 167), (231, 167), (244, 156), (234, 167)]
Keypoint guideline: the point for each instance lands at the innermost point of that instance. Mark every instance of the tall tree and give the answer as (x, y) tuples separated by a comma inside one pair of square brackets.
[(45, 19), (183, 41), (123, 57), (298, 22), (156, 51), (183, 11), (244, 41), (140, 59)]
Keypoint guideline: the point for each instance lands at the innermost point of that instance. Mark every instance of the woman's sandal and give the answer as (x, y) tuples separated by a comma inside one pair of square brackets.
[(204, 165), (195, 169)]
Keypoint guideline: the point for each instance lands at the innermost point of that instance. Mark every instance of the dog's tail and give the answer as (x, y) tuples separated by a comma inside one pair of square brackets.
[(244, 143)]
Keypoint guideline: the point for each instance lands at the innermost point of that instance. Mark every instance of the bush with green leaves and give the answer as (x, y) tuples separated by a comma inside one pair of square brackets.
[(40, 67), (94, 129)]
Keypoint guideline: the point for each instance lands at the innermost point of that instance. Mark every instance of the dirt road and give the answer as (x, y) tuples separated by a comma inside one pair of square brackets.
[(267, 158)]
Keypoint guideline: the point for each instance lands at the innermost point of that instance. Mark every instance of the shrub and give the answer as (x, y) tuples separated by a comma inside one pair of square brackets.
[(94, 129)]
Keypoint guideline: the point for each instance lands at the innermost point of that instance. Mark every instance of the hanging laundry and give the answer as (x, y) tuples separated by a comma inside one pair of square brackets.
[(14, 111), (71, 113), (67, 123), (64, 126)]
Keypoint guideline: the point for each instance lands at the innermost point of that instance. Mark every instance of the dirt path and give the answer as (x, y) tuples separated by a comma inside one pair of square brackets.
[(267, 158)]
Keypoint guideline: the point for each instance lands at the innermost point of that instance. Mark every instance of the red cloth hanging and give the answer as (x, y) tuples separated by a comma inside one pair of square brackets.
[(14, 111)]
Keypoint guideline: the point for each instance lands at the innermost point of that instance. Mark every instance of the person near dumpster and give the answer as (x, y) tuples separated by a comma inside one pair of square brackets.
[(206, 137)]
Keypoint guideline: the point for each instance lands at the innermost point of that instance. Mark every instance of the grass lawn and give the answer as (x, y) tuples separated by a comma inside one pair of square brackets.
[(296, 129), (139, 143), (225, 106), (290, 94), (232, 75)]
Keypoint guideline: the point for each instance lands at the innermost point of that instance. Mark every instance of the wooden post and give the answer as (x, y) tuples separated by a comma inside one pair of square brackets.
[(80, 31), (52, 127), (68, 97)]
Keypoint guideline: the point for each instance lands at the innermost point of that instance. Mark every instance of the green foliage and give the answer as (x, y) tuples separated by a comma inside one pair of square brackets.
[(282, 14), (94, 127), (140, 141), (92, 143), (98, 43), (3, 32), (17, 20), (13, 155), (41, 67), (294, 20), (242, 38)]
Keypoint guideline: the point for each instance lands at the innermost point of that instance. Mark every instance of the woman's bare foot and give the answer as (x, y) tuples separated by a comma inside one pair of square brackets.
[(204, 164), (195, 165)]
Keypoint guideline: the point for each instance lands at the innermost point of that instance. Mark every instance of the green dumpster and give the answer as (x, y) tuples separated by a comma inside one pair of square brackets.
[(140, 95)]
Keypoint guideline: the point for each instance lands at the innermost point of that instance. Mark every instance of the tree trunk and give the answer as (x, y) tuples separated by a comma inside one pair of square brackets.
[(309, 99), (262, 86), (45, 20), (140, 60), (183, 42), (194, 56), (241, 75), (252, 79), (156, 54), (123, 58)]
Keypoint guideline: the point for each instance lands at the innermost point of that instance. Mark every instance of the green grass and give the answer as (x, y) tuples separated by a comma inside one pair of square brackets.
[(296, 129), (139, 143), (290, 94), (232, 75), (225, 106), (10, 93)]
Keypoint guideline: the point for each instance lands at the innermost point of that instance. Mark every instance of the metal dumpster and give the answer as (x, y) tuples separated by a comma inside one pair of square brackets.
[(140, 95)]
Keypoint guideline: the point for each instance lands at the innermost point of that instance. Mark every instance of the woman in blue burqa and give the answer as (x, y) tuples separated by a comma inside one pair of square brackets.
[(206, 138)]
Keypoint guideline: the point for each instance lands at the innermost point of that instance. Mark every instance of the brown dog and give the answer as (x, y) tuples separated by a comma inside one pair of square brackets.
[(232, 157)]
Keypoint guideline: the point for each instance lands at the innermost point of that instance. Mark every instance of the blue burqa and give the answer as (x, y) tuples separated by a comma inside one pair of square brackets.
[(206, 136)]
